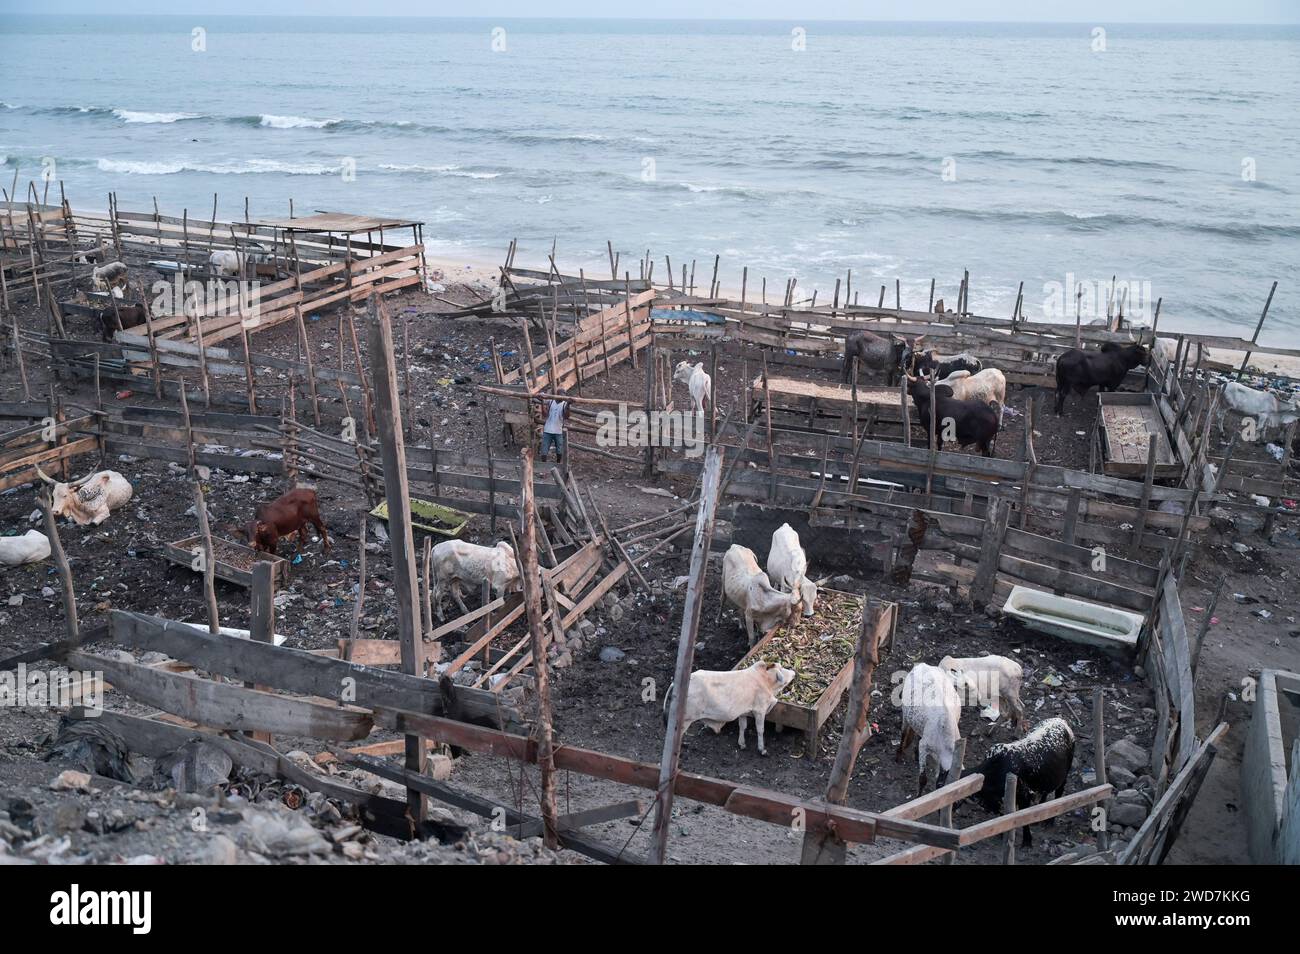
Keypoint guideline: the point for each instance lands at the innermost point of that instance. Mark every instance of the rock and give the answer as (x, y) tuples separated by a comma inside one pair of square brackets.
[(438, 767), (1118, 776), (586, 627), (611, 654), (1128, 754), (1127, 814), (220, 851), (615, 613), (1130, 795), (943, 606), (70, 780)]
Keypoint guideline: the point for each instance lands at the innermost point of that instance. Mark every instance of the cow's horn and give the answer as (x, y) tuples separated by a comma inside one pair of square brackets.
[(45, 477)]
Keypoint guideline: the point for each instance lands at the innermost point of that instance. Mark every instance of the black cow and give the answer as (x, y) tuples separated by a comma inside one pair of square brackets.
[(974, 422), (874, 351), (131, 316), (1040, 762), (922, 362), (1105, 369)]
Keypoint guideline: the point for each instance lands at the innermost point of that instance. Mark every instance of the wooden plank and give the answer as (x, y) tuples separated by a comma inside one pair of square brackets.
[(296, 670), (224, 706)]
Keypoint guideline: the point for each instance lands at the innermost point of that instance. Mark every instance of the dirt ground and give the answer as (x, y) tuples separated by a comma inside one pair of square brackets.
[(600, 704)]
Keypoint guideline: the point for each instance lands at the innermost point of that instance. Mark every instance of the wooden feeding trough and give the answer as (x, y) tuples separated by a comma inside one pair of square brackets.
[(1126, 422), (430, 517), (828, 399), (234, 560), (820, 650)]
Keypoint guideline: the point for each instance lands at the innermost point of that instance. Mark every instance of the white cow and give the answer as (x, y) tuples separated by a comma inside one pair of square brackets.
[(1267, 410), (988, 387), (1167, 349), (747, 588), (227, 263), (988, 681), (91, 499), (716, 698), (787, 567), (931, 711), (456, 562), (697, 379), (111, 277), (32, 547)]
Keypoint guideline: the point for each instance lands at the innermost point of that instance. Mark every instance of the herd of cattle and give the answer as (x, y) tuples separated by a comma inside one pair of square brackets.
[(969, 399), (930, 697)]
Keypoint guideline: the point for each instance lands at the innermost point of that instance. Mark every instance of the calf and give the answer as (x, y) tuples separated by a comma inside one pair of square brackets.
[(456, 562), (874, 351), (988, 386), (1266, 409), (697, 379), (971, 422), (285, 515), (787, 567), (89, 500), (988, 681), (923, 362), (32, 547), (716, 698), (1104, 369), (931, 711), (748, 589), (130, 316), (1040, 762)]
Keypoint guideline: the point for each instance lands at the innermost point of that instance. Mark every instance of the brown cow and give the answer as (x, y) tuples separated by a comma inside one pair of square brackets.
[(287, 514)]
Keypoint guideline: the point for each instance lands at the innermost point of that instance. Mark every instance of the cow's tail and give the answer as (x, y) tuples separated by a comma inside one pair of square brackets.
[(668, 701)]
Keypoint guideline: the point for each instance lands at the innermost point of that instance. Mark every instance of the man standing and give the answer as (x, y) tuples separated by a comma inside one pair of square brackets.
[(557, 412)]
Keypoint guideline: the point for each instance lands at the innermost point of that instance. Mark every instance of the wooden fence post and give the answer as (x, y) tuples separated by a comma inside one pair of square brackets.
[(995, 528), (686, 652), (537, 637), (821, 846), (397, 493)]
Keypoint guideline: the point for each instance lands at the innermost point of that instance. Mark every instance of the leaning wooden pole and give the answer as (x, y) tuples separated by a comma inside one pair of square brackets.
[(686, 652), (537, 636), (398, 493), (70, 625), (201, 511), (821, 845)]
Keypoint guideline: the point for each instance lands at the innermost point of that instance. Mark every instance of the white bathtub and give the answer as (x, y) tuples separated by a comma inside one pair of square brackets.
[(1114, 631)]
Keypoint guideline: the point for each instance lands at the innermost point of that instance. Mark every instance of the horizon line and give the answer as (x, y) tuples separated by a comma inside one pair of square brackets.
[(640, 19)]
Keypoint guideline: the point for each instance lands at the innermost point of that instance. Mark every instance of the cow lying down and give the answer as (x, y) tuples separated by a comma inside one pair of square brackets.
[(716, 698)]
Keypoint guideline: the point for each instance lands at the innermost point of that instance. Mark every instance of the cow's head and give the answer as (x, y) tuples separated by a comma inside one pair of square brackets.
[(68, 500), (259, 535), (776, 675), (684, 370), (808, 596)]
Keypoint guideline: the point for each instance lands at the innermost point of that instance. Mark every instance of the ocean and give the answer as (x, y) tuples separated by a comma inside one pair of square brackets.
[(1168, 157)]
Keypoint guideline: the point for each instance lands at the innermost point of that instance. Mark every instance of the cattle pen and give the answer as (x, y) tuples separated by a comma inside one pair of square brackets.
[(331, 384)]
